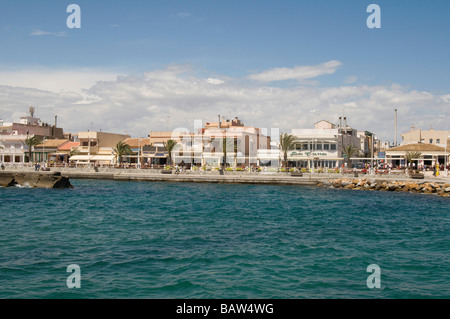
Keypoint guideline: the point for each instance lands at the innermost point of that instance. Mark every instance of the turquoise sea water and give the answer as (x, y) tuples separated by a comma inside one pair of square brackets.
[(177, 240)]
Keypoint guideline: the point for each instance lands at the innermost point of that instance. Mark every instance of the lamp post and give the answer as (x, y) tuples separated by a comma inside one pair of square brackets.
[(372, 155), (139, 153), (89, 151), (29, 152), (43, 149), (395, 127), (445, 156)]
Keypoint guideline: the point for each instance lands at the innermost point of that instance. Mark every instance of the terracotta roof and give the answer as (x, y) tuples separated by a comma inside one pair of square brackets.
[(418, 147), (134, 142), (52, 143), (68, 146)]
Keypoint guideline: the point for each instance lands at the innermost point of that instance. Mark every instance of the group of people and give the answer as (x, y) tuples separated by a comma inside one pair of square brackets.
[(37, 166)]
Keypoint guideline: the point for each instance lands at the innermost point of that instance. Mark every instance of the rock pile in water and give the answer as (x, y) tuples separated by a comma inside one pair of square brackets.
[(34, 179), (440, 189)]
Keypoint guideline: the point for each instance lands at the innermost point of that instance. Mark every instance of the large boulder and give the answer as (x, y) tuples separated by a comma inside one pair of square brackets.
[(34, 179), (6, 179)]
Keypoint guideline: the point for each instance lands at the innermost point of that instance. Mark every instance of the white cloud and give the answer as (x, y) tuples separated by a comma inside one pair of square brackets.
[(55, 80), (350, 79), (176, 96), (41, 33), (183, 14), (297, 73), (215, 81), (444, 98)]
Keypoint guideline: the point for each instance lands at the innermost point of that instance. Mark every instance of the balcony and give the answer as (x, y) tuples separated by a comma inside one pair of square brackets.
[(85, 149)]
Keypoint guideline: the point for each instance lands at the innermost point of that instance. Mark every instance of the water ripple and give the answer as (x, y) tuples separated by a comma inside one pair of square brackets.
[(164, 240)]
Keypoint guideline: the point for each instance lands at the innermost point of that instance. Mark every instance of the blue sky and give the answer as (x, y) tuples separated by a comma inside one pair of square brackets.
[(231, 40)]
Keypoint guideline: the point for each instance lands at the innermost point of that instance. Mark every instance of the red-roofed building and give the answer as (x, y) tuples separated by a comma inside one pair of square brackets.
[(67, 147)]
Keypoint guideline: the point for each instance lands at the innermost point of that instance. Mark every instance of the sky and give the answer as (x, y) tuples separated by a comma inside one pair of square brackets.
[(138, 66)]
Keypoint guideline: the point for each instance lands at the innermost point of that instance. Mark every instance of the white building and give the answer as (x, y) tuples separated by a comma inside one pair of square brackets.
[(13, 149), (322, 146)]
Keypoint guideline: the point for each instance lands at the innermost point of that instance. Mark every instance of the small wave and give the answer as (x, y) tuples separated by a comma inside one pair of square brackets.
[(25, 185)]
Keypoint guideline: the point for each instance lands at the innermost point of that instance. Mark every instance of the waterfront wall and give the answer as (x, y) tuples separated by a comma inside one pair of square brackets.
[(428, 185)]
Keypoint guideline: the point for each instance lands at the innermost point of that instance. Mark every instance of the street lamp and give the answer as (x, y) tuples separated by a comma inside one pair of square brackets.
[(139, 153), (43, 149), (29, 152), (445, 156)]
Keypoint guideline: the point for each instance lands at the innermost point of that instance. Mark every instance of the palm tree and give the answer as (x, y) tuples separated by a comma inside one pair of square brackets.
[(170, 145), (349, 151), (228, 144), (286, 144), (412, 155), (121, 149), (31, 142), (74, 152)]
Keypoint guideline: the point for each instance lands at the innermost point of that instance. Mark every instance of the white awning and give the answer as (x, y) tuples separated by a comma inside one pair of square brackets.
[(93, 158)]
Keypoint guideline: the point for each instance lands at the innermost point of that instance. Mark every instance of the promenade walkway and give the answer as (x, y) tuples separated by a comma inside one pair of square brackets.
[(227, 177)]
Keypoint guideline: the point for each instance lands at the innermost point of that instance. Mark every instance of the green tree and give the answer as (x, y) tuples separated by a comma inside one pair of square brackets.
[(74, 152), (286, 144), (31, 142), (411, 155), (228, 144), (121, 149), (349, 151), (170, 145)]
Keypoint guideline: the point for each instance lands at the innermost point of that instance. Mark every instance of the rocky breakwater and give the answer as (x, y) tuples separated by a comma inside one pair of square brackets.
[(34, 179), (440, 189)]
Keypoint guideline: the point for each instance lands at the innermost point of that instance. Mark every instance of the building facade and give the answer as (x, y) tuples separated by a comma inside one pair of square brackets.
[(427, 155), (13, 135), (439, 138), (322, 147), (97, 148), (226, 142)]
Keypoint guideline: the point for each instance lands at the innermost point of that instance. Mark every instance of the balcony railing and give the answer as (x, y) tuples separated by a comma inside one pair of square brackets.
[(8, 151), (85, 149)]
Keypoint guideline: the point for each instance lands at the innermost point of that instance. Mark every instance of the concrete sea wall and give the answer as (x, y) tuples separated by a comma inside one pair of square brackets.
[(428, 185)]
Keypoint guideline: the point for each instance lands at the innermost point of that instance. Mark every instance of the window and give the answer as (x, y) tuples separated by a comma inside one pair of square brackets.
[(93, 143), (326, 147), (319, 147), (332, 147), (438, 141), (305, 147), (431, 141)]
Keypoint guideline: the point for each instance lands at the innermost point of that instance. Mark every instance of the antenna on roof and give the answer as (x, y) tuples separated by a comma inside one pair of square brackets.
[(31, 110)]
